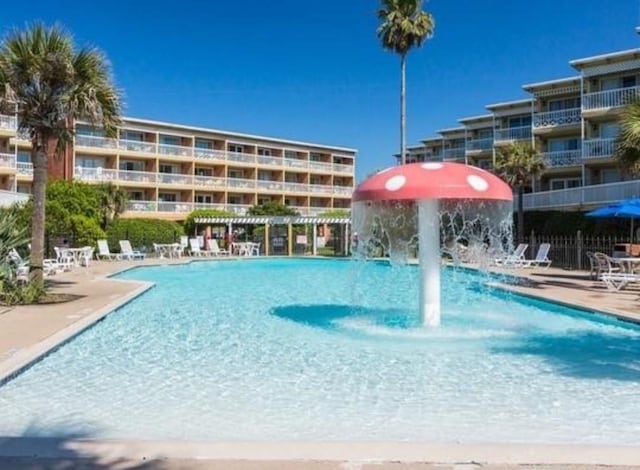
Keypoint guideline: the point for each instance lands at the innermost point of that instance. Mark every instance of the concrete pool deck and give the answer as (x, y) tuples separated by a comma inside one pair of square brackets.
[(28, 332)]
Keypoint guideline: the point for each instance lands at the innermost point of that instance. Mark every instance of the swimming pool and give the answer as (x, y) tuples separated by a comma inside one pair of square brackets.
[(321, 350)]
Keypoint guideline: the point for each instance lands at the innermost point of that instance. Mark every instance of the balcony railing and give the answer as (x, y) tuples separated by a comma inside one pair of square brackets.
[(582, 196), (296, 187), (343, 190), (175, 178), (241, 183), (24, 168), (610, 98), (209, 154), (563, 117), (146, 177), (241, 157), (599, 148), (186, 207), (96, 141), (174, 206), (177, 150), (562, 158), (95, 174), (142, 206), (209, 181), (7, 160), (454, 153), (513, 133), (268, 185), (480, 144), (9, 123), (137, 146)]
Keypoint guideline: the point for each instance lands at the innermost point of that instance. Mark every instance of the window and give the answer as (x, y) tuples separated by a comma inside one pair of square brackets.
[(24, 157), (204, 172), (609, 130), (264, 176), (235, 148), (132, 166), (567, 103), (564, 183), (234, 199), (485, 133), (264, 200), (316, 157), (520, 121), (563, 145), (204, 199), (169, 140), (610, 175), (264, 152), (203, 144), (167, 169), (132, 135), (290, 154), (618, 82), (289, 178), (628, 82), (167, 197), (235, 173), (89, 131), (136, 195), (87, 162)]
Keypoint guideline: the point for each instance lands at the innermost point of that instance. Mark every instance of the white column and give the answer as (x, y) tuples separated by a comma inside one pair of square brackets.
[(315, 239), (429, 245)]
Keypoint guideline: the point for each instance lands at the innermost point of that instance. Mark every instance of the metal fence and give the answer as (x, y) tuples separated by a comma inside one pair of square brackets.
[(570, 252)]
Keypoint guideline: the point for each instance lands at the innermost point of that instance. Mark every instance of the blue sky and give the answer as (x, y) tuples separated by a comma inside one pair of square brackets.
[(314, 70)]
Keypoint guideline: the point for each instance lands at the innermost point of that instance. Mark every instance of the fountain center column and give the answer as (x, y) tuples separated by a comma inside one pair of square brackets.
[(430, 260)]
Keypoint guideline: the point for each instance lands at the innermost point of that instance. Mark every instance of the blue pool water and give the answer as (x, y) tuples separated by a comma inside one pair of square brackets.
[(331, 350)]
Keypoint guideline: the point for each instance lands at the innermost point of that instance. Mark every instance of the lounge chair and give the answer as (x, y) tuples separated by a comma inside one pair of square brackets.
[(104, 253), (128, 253), (619, 280), (214, 248), (514, 259), (194, 248), (542, 258)]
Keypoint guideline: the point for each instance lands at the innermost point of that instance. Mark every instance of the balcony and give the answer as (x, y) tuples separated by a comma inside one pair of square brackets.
[(142, 206), (175, 150), (343, 190), (599, 148), (295, 163), (96, 141), (136, 146), (240, 183), (7, 160), (562, 158), (238, 209), (554, 119), (296, 187), (511, 134), (209, 154), (605, 100), (24, 169), (583, 196), (209, 181), (268, 185), (268, 160), (454, 153), (342, 168), (208, 205), (241, 157), (144, 177), (174, 206), (480, 145), (8, 123), (95, 174), (175, 178)]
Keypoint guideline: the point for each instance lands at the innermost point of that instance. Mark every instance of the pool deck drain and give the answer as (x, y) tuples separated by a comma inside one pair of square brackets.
[(29, 332)]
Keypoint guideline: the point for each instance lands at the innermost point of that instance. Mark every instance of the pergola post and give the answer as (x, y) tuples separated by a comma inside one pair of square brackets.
[(266, 239), (314, 249), (290, 238), (347, 240)]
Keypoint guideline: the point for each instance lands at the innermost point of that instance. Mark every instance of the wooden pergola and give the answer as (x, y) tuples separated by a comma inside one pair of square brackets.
[(270, 220)]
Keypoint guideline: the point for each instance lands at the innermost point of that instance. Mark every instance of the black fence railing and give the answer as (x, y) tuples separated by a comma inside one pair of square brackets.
[(570, 251)]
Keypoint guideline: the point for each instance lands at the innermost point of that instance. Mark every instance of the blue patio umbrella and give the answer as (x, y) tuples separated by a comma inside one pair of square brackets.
[(626, 209)]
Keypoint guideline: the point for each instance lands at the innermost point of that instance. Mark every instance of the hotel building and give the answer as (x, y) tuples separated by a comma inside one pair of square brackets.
[(572, 122), (168, 170)]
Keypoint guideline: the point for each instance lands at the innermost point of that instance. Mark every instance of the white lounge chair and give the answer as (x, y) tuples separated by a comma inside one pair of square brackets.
[(104, 253), (128, 253), (214, 248), (542, 257), (619, 280), (194, 248), (514, 259)]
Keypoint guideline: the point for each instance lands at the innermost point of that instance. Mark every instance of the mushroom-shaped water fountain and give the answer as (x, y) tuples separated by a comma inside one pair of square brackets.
[(384, 207)]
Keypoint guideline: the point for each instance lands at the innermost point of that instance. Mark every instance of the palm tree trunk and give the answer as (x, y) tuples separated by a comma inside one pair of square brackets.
[(520, 214), (39, 159), (403, 109)]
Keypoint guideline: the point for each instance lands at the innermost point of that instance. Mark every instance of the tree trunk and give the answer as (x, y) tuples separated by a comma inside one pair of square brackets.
[(403, 110), (520, 214), (39, 160)]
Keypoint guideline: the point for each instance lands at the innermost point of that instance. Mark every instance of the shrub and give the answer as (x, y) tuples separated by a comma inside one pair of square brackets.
[(190, 224), (86, 231), (143, 233)]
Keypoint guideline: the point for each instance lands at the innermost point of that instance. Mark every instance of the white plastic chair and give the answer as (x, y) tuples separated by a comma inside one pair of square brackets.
[(194, 247), (86, 255), (64, 260), (104, 253)]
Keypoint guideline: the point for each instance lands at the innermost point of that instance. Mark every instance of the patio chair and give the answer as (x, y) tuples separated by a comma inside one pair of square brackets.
[(542, 257), (128, 253), (619, 280), (214, 248), (604, 265), (514, 259), (49, 266), (104, 253), (194, 248), (86, 255), (64, 260)]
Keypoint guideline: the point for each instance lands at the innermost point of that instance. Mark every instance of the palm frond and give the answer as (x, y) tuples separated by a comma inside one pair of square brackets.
[(404, 25), (518, 163), (628, 141)]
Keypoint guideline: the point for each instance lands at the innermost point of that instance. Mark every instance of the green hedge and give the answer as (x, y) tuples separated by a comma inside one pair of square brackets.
[(143, 233)]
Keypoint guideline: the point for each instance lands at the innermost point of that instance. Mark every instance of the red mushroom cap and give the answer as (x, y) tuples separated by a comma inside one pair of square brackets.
[(434, 180)]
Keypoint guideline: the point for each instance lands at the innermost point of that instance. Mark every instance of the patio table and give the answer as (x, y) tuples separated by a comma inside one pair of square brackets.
[(170, 250)]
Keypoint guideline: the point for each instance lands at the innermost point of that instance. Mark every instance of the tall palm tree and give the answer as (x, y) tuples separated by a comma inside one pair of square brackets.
[(404, 26), (517, 164), (113, 202), (628, 141), (51, 84)]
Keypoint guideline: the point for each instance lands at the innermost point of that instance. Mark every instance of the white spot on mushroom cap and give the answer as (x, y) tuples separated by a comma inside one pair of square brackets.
[(395, 182), (432, 166), (477, 182)]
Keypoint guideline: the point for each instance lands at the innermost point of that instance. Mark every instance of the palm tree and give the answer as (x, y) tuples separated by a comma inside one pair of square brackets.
[(113, 202), (628, 142), (517, 164), (51, 84), (404, 26)]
